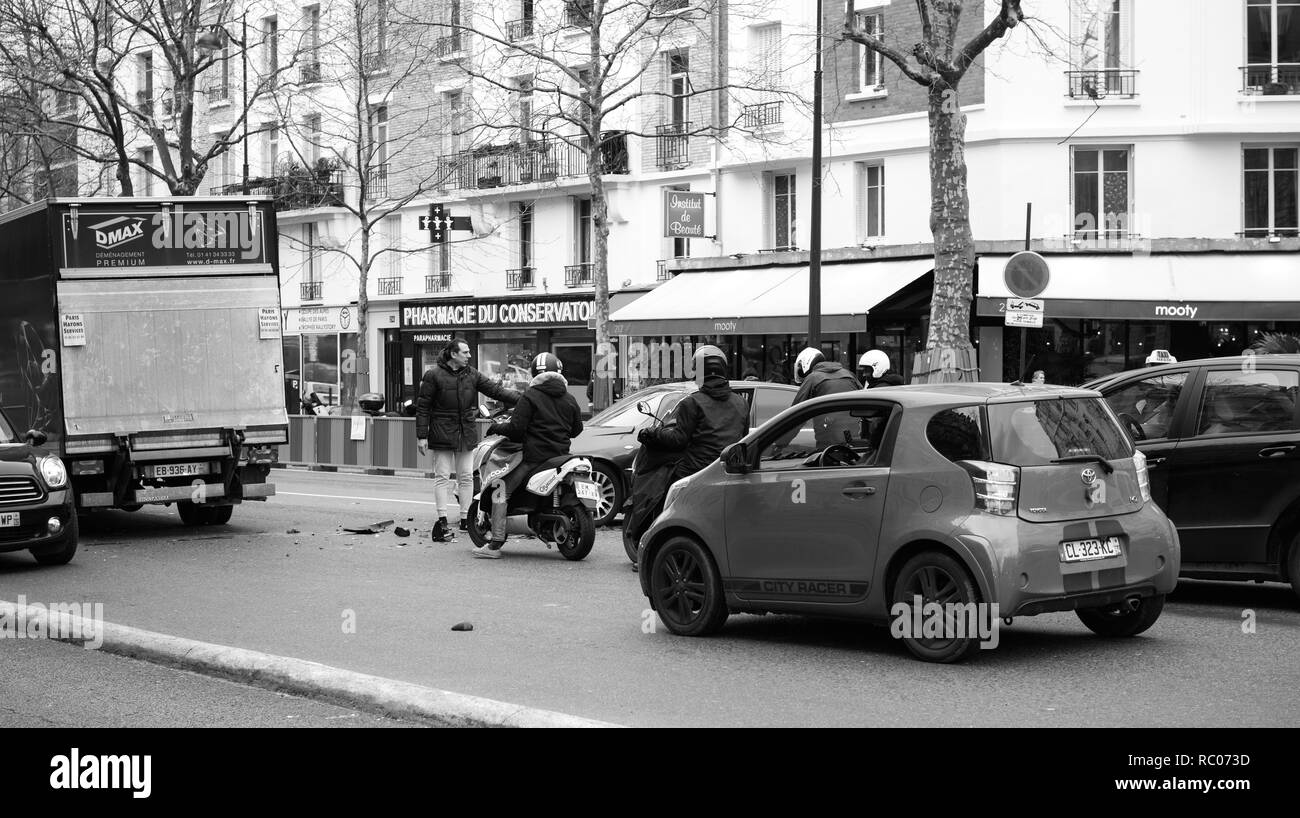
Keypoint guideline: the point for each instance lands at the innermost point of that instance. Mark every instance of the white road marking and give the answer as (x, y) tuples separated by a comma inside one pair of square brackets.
[(347, 497)]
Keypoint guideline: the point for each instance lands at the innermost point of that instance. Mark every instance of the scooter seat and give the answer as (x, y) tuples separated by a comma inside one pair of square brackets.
[(553, 463)]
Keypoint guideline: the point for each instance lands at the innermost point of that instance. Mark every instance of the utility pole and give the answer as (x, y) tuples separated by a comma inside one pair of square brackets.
[(815, 240)]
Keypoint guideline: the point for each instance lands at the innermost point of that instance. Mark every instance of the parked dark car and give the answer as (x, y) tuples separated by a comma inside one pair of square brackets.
[(609, 438), (1222, 440), (36, 506)]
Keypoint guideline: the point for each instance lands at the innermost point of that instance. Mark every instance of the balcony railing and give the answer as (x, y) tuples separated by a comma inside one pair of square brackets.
[(1102, 83), (1269, 232), (578, 275), (761, 115), (218, 92), (437, 283), (296, 189), (310, 72), (390, 286), (578, 13), (517, 30), (528, 163), (446, 46), (311, 290), (671, 145), (1271, 80), (378, 187), (521, 279), (373, 62)]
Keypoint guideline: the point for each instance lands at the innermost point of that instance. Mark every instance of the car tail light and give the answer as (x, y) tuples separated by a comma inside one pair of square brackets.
[(996, 485), (1144, 477)]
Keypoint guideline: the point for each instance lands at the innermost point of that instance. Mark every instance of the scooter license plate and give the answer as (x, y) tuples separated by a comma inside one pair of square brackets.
[(588, 492)]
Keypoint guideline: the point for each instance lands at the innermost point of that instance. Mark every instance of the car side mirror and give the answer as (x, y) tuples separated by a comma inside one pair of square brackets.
[(735, 458), (36, 437), (644, 408)]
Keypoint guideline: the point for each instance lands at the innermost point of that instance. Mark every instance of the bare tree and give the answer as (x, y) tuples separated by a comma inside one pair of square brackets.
[(938, 62), (591, 66)]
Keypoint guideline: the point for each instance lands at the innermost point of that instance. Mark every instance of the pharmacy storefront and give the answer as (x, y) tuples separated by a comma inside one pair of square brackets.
[(505, 334)]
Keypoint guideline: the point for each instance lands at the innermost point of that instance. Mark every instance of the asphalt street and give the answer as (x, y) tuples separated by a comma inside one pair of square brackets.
[(578, 637)]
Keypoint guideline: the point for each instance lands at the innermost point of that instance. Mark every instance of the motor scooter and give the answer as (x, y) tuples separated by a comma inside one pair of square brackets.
[(651, 476), (558, 498)]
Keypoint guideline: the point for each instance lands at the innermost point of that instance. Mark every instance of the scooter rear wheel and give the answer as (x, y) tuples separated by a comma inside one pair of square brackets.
[(630, 543), (581, 534), (479, 533)]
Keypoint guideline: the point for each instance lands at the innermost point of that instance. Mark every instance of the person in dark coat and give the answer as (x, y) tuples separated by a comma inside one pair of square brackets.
[(706, 421), (874, 369), (817, 376), (545, 420), (444, 422)]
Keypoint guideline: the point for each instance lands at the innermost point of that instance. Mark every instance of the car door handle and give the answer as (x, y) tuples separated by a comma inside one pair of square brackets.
[(1276, 451), (858, 490), (1154, 461)]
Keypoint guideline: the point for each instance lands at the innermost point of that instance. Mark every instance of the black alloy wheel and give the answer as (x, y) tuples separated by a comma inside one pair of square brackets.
[(685, 588)]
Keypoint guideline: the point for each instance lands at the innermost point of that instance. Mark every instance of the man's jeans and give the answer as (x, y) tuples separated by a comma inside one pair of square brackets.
[(444, 460), (501, 499)]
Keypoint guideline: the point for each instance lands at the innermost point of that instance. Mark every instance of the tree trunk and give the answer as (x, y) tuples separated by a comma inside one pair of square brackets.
[(356, 372), (602, 394), (949, 355)]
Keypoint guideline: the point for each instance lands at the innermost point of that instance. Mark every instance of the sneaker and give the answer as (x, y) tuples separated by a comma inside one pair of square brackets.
[(488, 552), (440, 530)]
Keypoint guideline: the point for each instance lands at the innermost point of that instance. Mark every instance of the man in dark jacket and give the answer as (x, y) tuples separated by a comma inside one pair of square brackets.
[(545, 419), (874, 369), (706, 421), (444, 422), (816, 377)]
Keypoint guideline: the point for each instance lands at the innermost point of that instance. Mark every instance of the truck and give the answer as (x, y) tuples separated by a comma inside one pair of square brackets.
[(140, 341)]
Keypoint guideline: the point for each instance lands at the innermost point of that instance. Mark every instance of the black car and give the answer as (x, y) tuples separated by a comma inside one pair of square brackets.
[(609, 438), (36, 506), (1222, 442)]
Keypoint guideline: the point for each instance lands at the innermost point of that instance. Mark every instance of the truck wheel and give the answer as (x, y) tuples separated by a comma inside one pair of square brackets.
[(63, 554), (192, 514), (219, 515)]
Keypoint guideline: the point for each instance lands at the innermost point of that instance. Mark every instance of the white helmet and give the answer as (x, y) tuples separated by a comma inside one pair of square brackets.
[(876, 360), (805, 362)]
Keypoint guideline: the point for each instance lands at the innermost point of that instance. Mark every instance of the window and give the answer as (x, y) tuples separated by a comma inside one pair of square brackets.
[(311, 45), (582, 253), (311, 124), (871, 65), (1271, 191), (871, 201), (828, 439), (783, 212), (767, 58), (1248, 402), (146, 178), (144, 96), (1149, 403), (271, 138), (958, 434), (311, 255), (1102, 200), (378, 133), (524, 108), (271, 45), (392, 229), (679, 85), (454, 111), (1034, 433), (1101, 45), (524, 250), (1273, 46)]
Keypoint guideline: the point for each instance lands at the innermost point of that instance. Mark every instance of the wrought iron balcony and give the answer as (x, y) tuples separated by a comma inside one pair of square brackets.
[(390, 286), (578, 275), (578, 13), (446, 46), (517, 30), (521, 279), (1271, 80), (761, 115), (218, 92), (297, 188), (1102, 83), (311, 290), (378, 185), (437, 283), (533, 162), (310, 72), (672, 145)]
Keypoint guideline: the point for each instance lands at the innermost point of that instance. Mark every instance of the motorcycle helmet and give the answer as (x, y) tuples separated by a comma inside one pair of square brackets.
[(805, 362), (709, 360), (876, 361), (546, 362), (372, 403)]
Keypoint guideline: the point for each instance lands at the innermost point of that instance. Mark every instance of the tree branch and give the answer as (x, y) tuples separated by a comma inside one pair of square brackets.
[(854, 32), (1008, 17)]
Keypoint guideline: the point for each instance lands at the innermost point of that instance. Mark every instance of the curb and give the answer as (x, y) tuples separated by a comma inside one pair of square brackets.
[(373, 694)]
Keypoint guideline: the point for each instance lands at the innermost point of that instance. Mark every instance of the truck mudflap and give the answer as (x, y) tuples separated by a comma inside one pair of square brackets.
[(175, 494)]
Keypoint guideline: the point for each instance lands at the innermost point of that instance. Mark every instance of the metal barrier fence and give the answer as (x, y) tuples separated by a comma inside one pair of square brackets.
[(389, 445)]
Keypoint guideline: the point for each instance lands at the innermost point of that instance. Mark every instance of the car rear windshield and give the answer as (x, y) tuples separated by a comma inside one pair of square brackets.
[(1036, 433)]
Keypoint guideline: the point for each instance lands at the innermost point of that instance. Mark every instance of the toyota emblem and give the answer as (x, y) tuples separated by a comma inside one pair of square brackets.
[(1089, 476)]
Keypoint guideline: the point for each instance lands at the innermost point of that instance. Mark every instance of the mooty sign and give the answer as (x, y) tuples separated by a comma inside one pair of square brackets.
[(683, 214)]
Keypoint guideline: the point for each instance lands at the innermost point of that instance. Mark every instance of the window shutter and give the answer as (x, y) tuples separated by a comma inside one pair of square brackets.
[(860, 200)]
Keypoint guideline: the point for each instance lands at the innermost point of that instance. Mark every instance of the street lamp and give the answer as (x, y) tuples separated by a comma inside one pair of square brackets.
[(214, 38)]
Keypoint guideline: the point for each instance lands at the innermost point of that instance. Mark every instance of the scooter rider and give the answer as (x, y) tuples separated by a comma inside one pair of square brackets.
[(873, 369), (817, 376), (706, 421), (545, 419)]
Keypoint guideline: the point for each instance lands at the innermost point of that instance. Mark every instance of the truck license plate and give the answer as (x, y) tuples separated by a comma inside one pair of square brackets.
[(177, 470), (1085, 550), (10, 519)]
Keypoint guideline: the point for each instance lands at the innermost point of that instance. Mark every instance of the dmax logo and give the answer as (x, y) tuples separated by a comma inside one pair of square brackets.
[(117, 231)]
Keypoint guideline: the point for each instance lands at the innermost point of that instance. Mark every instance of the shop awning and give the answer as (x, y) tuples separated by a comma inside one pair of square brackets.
[(765, 300), (1258, 286)]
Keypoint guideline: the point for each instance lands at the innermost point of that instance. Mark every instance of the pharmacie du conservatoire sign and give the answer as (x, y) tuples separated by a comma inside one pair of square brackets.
[(505, 313)]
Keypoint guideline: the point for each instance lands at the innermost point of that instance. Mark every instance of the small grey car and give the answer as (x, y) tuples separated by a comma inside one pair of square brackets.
[(1014, 500)]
